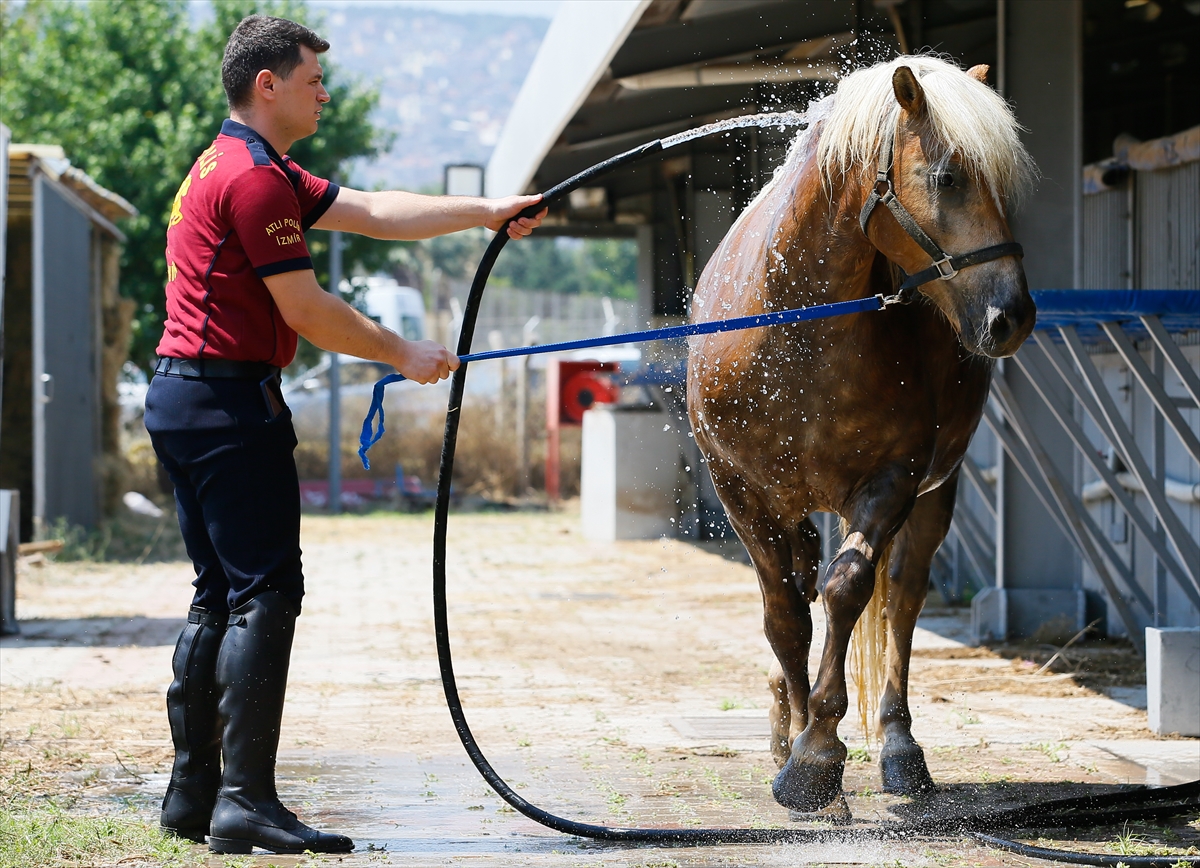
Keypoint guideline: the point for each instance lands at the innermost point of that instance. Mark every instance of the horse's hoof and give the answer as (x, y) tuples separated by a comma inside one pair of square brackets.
[(806, 787), (906, 774), (836, 812)]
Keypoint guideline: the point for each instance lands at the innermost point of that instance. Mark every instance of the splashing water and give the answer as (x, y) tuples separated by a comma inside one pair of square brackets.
[(767, 119)]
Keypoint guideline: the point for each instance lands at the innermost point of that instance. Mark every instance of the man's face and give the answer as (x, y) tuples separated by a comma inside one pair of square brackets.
[(300, 97)]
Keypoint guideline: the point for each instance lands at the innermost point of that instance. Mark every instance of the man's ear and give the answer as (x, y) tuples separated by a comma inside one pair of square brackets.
[(264, 84), (908, 90), (979, 72)]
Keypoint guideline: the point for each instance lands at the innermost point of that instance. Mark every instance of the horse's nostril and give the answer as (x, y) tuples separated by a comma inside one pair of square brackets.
[(1001, 327)]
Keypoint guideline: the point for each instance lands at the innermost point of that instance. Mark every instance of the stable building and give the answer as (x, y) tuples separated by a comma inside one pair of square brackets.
[(65, 337), (1080, 499)]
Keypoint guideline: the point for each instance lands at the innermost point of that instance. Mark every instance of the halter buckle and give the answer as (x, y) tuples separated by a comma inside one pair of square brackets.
[(945, 269)]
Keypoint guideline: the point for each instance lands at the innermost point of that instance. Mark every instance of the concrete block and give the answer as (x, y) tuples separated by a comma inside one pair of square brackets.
[(1173, 679), (629, 476)]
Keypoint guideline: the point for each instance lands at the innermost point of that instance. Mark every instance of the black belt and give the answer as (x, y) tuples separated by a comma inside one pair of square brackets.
[(223, 369)]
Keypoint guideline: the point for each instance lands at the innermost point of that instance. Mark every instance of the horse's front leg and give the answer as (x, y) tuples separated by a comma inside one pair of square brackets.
[(812, 777), (902, 762)]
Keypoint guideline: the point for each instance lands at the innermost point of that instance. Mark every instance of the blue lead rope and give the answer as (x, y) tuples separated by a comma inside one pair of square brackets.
[(371, 434)]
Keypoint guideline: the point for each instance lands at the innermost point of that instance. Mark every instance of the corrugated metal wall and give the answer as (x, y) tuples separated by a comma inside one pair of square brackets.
[(1106, 241), (1168, 228)]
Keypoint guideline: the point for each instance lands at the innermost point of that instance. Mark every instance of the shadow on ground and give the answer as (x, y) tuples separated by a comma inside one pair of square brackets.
[(96, 632)]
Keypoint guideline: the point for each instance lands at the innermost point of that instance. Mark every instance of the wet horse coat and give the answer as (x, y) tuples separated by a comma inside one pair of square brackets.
[(868, 415)]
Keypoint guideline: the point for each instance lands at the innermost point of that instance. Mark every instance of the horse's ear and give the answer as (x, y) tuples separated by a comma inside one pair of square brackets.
[(909, 92), (979, 72)]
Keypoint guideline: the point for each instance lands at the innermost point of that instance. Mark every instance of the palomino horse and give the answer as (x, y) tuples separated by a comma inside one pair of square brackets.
[(868, 415)]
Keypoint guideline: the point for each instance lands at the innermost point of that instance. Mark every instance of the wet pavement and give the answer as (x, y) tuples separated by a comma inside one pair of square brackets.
[(615, 684)]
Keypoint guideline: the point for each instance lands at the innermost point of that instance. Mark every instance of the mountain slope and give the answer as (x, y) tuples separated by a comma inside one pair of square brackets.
[(446, 83)]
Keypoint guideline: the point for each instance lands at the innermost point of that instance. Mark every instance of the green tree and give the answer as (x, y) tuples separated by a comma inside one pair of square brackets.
[(132, 92), (595, 266)]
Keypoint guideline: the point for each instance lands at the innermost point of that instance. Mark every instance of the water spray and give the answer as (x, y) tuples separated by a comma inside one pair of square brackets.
[(1142, 803)]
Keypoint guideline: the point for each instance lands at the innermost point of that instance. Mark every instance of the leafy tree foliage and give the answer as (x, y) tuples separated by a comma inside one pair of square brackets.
[(596, 266), (132, 92)]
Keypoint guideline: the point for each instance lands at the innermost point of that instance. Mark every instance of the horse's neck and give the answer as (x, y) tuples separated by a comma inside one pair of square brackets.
[(829, 257)]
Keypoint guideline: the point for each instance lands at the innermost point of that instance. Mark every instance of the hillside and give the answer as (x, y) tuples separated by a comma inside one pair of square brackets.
[(446, 83)]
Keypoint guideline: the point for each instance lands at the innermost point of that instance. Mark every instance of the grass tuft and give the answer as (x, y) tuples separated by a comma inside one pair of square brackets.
[(36, 834)]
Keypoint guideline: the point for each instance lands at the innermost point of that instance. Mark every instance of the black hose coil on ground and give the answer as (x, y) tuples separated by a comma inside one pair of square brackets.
[(1144, 803)]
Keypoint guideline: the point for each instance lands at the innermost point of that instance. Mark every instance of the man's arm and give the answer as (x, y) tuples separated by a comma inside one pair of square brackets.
[(333, 325), (395, 215)]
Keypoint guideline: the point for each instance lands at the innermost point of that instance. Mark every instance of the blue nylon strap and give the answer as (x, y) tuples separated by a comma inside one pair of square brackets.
[(371, 433)]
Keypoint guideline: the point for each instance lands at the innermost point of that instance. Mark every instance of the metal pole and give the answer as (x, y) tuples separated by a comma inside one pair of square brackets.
[(974, 475), (1037, 376), (335, 386), (1170, 350), (1083, 526), (1154, 387), (1120, 436), (1067, 518)]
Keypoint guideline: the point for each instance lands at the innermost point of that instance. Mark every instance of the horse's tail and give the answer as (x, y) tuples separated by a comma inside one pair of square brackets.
[(867, 664)]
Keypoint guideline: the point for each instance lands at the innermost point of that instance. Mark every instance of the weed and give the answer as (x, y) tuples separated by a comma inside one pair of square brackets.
[(730, 704), (986, 777), (1052, 749), (42, 833), (616, 801), (966, 717), (718, 783), (1130, 843), (69, 726), (858, 755)]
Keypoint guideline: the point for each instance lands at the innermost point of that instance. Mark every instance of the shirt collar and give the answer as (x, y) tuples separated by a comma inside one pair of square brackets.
[(230, 127)]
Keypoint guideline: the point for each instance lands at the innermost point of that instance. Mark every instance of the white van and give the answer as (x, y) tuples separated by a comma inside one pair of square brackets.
[(395, 307)]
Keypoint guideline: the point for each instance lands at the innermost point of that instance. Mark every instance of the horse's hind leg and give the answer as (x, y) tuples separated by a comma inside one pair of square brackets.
[(789, 621), (786, 565), (902, 762)]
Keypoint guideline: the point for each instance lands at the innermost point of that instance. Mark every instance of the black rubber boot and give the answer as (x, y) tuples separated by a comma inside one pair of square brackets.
[(252, 673), (195, 728)]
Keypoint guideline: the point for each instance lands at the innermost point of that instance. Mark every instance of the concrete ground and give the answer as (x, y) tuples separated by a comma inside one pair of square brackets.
[(622, 684)]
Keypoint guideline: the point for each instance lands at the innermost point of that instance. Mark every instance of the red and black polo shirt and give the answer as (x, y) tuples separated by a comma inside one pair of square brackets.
[(239, 216)]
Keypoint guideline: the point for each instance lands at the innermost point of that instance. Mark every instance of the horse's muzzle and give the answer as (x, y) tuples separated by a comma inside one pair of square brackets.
[(1005, 321)]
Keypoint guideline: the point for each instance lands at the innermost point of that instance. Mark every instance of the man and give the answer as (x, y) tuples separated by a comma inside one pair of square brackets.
[(240, 286)]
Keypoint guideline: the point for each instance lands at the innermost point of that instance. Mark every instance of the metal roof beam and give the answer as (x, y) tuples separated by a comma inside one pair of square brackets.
[(717, 36)]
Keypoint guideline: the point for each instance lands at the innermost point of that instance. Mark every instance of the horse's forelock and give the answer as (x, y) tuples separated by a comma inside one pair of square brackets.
[(968, 118)]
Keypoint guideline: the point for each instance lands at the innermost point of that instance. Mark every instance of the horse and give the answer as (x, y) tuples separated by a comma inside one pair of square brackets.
[(867, 415)]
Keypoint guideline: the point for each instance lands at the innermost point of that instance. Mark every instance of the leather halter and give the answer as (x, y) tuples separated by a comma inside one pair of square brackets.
[(944, 266)]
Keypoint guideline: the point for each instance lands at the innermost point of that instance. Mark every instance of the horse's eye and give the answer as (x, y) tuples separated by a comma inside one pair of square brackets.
[(944, 179)]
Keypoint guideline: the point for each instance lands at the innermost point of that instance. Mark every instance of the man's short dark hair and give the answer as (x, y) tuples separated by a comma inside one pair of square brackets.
[(262, 42)]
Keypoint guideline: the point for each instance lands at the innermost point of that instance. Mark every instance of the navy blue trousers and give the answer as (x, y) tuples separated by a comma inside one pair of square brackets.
[(236, 489)]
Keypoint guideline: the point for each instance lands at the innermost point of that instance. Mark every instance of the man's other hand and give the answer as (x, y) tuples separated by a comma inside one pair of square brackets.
[(503, 210), (425, 361)]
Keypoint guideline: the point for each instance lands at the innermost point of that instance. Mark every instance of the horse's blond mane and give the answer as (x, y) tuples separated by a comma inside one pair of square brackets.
[(969, 120)]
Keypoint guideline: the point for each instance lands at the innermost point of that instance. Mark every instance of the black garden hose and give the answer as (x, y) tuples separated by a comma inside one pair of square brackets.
[(1079, 812)]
